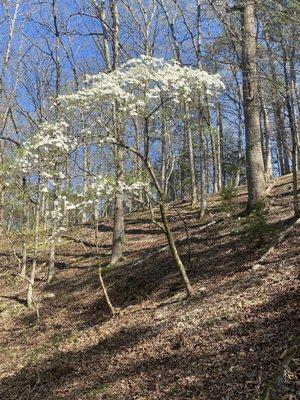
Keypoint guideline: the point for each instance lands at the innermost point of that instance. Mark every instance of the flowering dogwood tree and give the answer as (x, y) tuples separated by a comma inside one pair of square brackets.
[(145, 100), (40, 161)]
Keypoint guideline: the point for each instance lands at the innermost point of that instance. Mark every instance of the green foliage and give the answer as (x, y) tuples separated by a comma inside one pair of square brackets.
[(257, 229), (100, 389), (172, 388), (228, 196), (2, 308)]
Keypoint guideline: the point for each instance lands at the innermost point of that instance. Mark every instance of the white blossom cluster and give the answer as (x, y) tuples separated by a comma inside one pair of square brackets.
[(99, 188), (107, 187), (43, 148), (132, 187), (143, 83)]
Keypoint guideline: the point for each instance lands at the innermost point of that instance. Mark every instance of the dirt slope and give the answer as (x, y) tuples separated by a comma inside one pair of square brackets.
[(225, 345)]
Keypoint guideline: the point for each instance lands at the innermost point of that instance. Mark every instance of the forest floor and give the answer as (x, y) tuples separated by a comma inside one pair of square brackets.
[(224, 345)]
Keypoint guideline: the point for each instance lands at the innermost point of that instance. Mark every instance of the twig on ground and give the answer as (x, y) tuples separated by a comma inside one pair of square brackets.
[(277, 241), (277, 379)]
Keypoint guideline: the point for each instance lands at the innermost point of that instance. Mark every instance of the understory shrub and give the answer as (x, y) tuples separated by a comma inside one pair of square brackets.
[(228, 196), (257, 229)]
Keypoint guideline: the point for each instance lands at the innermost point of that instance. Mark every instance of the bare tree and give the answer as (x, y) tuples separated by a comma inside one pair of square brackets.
[(255, 165)]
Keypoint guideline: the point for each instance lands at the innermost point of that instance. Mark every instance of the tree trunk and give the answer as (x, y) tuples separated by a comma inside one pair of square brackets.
[(51, 267), (203, 200), (30, 290), (118, 234), (107, 299), (255, 166), (219, 148), (24, 259), (266, 137), (295, 144), (282, 145), (283, 150), (194, 199), (85, 156), (2, 209), (174, 252)]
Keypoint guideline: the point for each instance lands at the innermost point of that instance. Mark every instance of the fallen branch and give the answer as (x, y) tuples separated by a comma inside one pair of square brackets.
[(278, 240), (270, 187), (81, 242), (277, 379)]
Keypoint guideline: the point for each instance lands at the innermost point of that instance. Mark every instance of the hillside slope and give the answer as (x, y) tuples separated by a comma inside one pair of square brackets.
[(226, 344)]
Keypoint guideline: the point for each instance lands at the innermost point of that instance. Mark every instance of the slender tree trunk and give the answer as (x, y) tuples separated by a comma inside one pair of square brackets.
[(138, 163), (282, 146), (51, 267), (201, 123), (219, 149), (203, 193), (2, 187), (182, 168), (30, 290), (163, 172), (162, 206), (100, 269), (2, 229), (281, 137), (85, 173), (105, 29), (214, 156), (194, 199), (266, 133), (170, 22), (24, 259), (103, 286), (174, 252), (115, 33), (295, 142), (118, 233), (25, 230), (295, 168), (174, 176)]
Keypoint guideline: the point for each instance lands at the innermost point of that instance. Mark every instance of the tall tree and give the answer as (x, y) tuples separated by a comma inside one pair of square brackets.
[(254, 158)]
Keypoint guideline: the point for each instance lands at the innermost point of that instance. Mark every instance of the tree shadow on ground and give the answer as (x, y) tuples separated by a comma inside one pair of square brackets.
[(14, 298), (216, 256), (157, 275), (256, 338)]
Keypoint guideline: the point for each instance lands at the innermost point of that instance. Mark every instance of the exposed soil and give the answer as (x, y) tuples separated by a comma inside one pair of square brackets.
[(224, 345)]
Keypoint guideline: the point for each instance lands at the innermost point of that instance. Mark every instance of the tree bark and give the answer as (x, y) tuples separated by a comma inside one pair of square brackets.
[(295, 144), (190, 291), (281, 138), (194, 199), (30, 290), (203, 195), (255, 165), (266, 133), (118, 233), (219, 149)]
